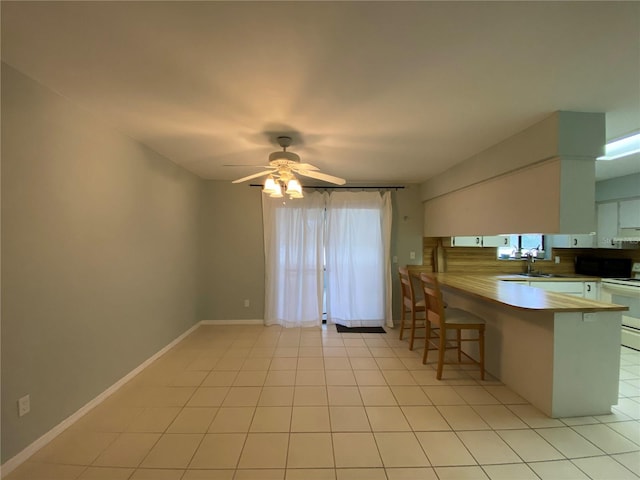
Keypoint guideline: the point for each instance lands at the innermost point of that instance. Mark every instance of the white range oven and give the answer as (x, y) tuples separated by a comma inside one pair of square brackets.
[(626, 291)]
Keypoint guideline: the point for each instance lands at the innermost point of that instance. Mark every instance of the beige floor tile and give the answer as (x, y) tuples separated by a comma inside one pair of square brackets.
[(410, 395), (188, 378), (310, 474), (311, 363), (340, 377), (260, 474), (419, 473), (276, 396), (337, 363), (355, 450), (505, 395), (462, 417), (400, 450), (310, 377), (534, 417), (377, 396), (310, 450), (193, 420), (354, 342), (630, 430), (108, 418), (281, 352), (154, 419), (390, 363), (271, 419), (333, 342), (443, 395), (349, 419), (208, 397), (569, 443), (344, 395), (279, 378), (310, 396), (265, 450), (358, 352), (514, 471), (476, 395), (220, 378), (382, 352), (387, 419), (559, 469), (310, 351), (360, 474), (398, 377), (499, 417), (232, 420), (334, 351), (173, 450), (218, 451), (604, 468), (107, 473), (46, 471), (530, 446), (630, 460), (427, 377), (75, 447), (488, 448), (258, 363), (128, 450), (369, 377), (574, 421), (208, 474), (250, 378), (229, 363), (606, 438), (242, 397), (444, 449), (425, 418), (460, 473), (359, 363), (310, 419), (204, 363), (283, 363)]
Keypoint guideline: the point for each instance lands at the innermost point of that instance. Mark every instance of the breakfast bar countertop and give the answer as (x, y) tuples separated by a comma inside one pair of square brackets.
[(494, 288)]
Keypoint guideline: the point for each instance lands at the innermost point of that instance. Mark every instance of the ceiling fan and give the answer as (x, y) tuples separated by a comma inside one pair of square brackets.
[(282, 168)]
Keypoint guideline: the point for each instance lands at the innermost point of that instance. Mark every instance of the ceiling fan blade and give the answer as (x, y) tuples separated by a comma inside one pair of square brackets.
[(322, 176), (304, 166), (255, 175)]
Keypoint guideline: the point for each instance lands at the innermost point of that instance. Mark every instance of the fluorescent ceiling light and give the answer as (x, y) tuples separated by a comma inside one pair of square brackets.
[(621, 148)]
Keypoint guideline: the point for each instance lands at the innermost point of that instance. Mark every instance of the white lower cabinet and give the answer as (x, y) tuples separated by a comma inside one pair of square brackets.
[(579, 289)]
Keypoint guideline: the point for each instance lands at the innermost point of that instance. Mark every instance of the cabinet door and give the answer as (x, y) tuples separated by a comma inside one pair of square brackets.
[(466, 241), (607, 224), (591, 290), (496, 241), (582, 241), (570, 288), (630, 214)]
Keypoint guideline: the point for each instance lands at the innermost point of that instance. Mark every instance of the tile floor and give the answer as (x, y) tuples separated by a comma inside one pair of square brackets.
[(252, 402)]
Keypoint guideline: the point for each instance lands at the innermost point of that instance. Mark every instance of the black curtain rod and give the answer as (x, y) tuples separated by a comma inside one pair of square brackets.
[(338, 187)]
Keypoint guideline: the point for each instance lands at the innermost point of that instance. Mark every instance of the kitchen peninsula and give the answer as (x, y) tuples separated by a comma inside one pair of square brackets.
[(560, 353)]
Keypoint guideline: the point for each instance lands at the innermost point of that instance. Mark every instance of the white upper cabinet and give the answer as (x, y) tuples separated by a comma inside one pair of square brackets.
[(574, 241), (481, 241), (496, 241), (607, 224), (630, 213)]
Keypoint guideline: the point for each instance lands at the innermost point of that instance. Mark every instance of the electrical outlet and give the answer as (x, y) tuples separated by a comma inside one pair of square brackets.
[(395, 259), (557, 259), (247, 303), (24, 405), (412, 255)]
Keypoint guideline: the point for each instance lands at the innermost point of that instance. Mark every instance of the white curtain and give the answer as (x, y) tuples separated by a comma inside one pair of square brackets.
[(358, 270), (293, 245)]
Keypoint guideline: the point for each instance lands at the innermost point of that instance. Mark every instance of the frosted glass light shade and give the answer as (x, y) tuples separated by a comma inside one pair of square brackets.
[(269, 185), (277, 193)]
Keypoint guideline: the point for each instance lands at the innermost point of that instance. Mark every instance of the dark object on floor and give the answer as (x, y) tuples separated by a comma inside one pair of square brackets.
[(343, 329)]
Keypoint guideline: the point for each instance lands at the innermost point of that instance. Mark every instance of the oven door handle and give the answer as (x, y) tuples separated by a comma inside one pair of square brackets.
[(623, 289)]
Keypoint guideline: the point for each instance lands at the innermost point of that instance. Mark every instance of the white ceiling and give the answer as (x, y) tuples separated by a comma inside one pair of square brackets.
[(371, 91)]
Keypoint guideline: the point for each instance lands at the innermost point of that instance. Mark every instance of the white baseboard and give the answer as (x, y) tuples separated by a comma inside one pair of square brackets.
[(24, 455), (232, 322)]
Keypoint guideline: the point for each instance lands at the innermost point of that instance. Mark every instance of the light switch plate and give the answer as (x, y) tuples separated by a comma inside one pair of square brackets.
[(412, 255)]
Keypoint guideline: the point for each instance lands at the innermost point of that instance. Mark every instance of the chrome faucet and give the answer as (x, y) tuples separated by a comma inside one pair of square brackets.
[(530, 259)]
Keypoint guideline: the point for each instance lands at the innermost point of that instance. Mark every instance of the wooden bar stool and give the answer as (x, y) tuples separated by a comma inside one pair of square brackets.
[(409, 305), (441, 320)]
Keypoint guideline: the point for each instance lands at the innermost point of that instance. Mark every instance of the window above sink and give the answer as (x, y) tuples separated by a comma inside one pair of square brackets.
[(522, 245)]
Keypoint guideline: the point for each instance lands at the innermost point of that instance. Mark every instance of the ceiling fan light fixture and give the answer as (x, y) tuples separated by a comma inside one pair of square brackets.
[(277, 192), (269, 185), (294, 189)]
